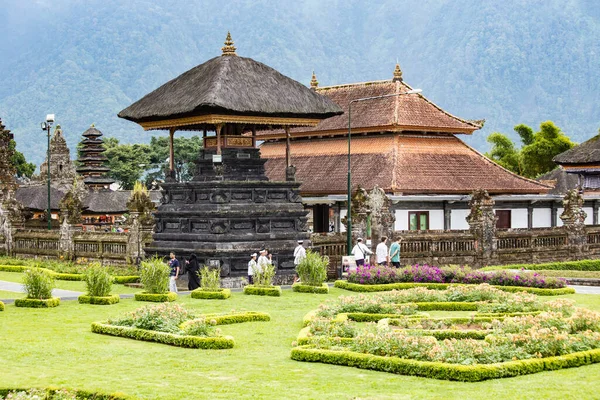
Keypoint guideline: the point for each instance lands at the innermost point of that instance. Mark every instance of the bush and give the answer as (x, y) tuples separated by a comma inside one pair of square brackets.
[(161, 317), (155, 297), (104, 300), (220, 294), (155, 275), (301, 288), (97, 281), (262, 290), (37, 303), (263, 276), (57, 394), (126, 279), (1, 306), (38, 284), (238, 317), (210, 279), (312, 270), (199, 327)]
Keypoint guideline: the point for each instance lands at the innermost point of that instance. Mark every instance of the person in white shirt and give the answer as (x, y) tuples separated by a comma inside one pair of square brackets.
[(360, 251), (251, 268), (299, 255), (263, 261), (382, 252)]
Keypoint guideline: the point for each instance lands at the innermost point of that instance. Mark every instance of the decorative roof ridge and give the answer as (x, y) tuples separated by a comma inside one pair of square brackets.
[(501, 167), (344, 85)]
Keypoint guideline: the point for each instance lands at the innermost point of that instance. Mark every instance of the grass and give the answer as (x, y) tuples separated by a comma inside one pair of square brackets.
[(56, 347), (570, 274), (78, 286)]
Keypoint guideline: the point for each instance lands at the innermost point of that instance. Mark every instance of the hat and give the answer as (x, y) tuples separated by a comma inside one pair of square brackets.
[(263, 251), (359, 240), (300, 241), (253, 255)]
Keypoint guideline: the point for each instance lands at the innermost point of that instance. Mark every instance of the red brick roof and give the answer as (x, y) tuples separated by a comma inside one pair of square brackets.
[(397, 113), (398, 163)]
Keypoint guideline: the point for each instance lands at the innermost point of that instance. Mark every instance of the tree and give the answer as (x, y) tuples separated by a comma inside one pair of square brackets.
[(186, 152), (23, 168), (535, 157), (127, 162)]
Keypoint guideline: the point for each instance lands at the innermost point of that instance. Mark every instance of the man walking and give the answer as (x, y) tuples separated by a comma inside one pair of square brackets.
[(360, 251), (251, 268), (395, 252), (174, 265), (382, 252), (299, 255)]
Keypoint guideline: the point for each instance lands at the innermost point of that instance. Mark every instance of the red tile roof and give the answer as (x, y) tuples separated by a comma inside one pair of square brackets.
[(398, 163)]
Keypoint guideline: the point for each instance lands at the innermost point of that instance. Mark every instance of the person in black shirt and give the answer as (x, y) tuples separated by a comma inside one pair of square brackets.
[(192, 268), (174, 264)]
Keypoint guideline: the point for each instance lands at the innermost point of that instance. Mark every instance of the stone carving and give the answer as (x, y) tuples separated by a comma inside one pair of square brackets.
[(382, 216), (573, 218), (260, 196), (189, 196), (294, 196), (71, 204), (219, 226), (62, 170), (7, 169), (66, 244), (185, 225), (139, 202), (482, 223), (290, 174), (220, 197), (263, 226), (360, 213)]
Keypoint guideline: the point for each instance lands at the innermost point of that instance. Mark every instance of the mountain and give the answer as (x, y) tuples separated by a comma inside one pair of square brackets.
[(510, 62)]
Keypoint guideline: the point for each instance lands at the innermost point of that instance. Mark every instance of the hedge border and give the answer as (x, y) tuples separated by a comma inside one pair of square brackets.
[(304, 338), (262, 290), (86, 394), (205, 294), (38, 303), (2, 306), (579, 265), (446, 371), (192, 342), (118, 279), (356, 287), (123, 279), (447, 306), (238, 318), (99, 300), (155, 297), (300, 288)]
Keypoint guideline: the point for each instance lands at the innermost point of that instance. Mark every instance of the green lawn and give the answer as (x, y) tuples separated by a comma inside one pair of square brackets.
[(56, 347), (78, 286), (570, 274)]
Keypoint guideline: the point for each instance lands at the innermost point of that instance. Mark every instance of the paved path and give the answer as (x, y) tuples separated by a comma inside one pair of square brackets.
[(18, 288), (586, 289)]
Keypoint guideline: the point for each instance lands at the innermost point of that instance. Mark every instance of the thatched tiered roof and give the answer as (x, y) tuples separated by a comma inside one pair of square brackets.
[(92, 160), (587, 154)]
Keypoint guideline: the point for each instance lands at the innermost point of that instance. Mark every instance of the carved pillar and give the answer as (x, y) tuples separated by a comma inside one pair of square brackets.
[(66, 244), (135, 245), (382, 215), (171, 154), (553, 215), (218, 129), (595, 213), (336, 218), (573, 218), (447, 213), (529, 216), (482, 224)]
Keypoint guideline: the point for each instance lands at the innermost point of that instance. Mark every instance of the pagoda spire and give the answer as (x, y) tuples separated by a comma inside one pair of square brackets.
[(314, 83), (397, 74), (229, 48)]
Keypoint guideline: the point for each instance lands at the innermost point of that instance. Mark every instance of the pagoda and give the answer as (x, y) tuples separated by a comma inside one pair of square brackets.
[(230, 209), (92, 160)]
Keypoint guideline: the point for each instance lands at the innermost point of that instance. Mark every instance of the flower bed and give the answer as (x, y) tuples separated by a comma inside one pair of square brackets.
[(211, 294), (38, 303), (515, 334), (57, 394), (155, 297), (369, 275), (300, 288), (99, 300), (174, 325), (263, 290)]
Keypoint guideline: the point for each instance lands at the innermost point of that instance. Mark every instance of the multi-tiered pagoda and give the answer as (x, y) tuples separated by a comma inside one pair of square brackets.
[(92, 160)]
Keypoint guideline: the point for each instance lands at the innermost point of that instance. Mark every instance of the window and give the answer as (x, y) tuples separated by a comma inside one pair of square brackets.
[(503, 221), (418, 220)]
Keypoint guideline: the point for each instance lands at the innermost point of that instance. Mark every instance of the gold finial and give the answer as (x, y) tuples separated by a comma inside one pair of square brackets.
[(397, 73), (229, 48), (314, 83), (92, 125)]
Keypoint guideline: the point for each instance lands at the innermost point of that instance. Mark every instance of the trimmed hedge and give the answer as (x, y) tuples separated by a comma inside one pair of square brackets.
[(442, 334), (156, 297), (447, 306), (1, 306), (309, 316), (100, 300), (122, 279), (37, 303), (437, 370), (356, 287), (205, 294), (248, 316), (581, 265), (81, 394), (193, 342), (262, 290), (300, 288), (304, 338), (68, 277), (14, 268)]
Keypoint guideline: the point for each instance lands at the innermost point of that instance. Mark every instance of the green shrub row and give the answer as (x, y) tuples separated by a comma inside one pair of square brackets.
[(67, 277), (81, 394), (462, 320), (156, 297), (581, 265), (437, 370), (356, 287), (126, 279), (1, 306), (103, 300), (304, 338), (300, 288), (447, 306), (237, 318), (194, 342), (366, 317), (263, 290), (442, 334), (205, 294), (37, 303)]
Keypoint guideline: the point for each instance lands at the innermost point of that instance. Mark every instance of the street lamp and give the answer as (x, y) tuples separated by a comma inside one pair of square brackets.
[(349, 212), (46, 127)]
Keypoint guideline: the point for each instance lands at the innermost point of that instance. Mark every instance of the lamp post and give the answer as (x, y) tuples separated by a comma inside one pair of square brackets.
[(46, 127), (349, 214)]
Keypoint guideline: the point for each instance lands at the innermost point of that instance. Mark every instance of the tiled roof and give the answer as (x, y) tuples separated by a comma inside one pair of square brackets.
[(398, 163), (397, 113)]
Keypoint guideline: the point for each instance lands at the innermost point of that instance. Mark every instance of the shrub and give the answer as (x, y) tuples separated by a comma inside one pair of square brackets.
[(263, 276), (37, 303), (238, 317), (161, 317), (262, 291), (300, 288), (210, 279), (155, 297), (97, 281), (220, 294), (581, 265), (1, 306), (312, 270), (155, 276), (58, 394), (199, 327), (104, 300), (38, 284)]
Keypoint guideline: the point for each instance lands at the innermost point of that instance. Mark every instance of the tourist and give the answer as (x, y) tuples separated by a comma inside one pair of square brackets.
[(381, 252), (395, 252), (251, 268), (174, 264), (299, 255), (263, 260), (360, 251), (192, 270)]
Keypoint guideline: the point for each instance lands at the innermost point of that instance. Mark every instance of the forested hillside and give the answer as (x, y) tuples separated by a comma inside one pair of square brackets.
[(510, 62)]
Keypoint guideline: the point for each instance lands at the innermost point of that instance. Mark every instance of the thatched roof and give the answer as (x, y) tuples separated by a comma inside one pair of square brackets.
[(230, 85), (560, 180), (587, 152)]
